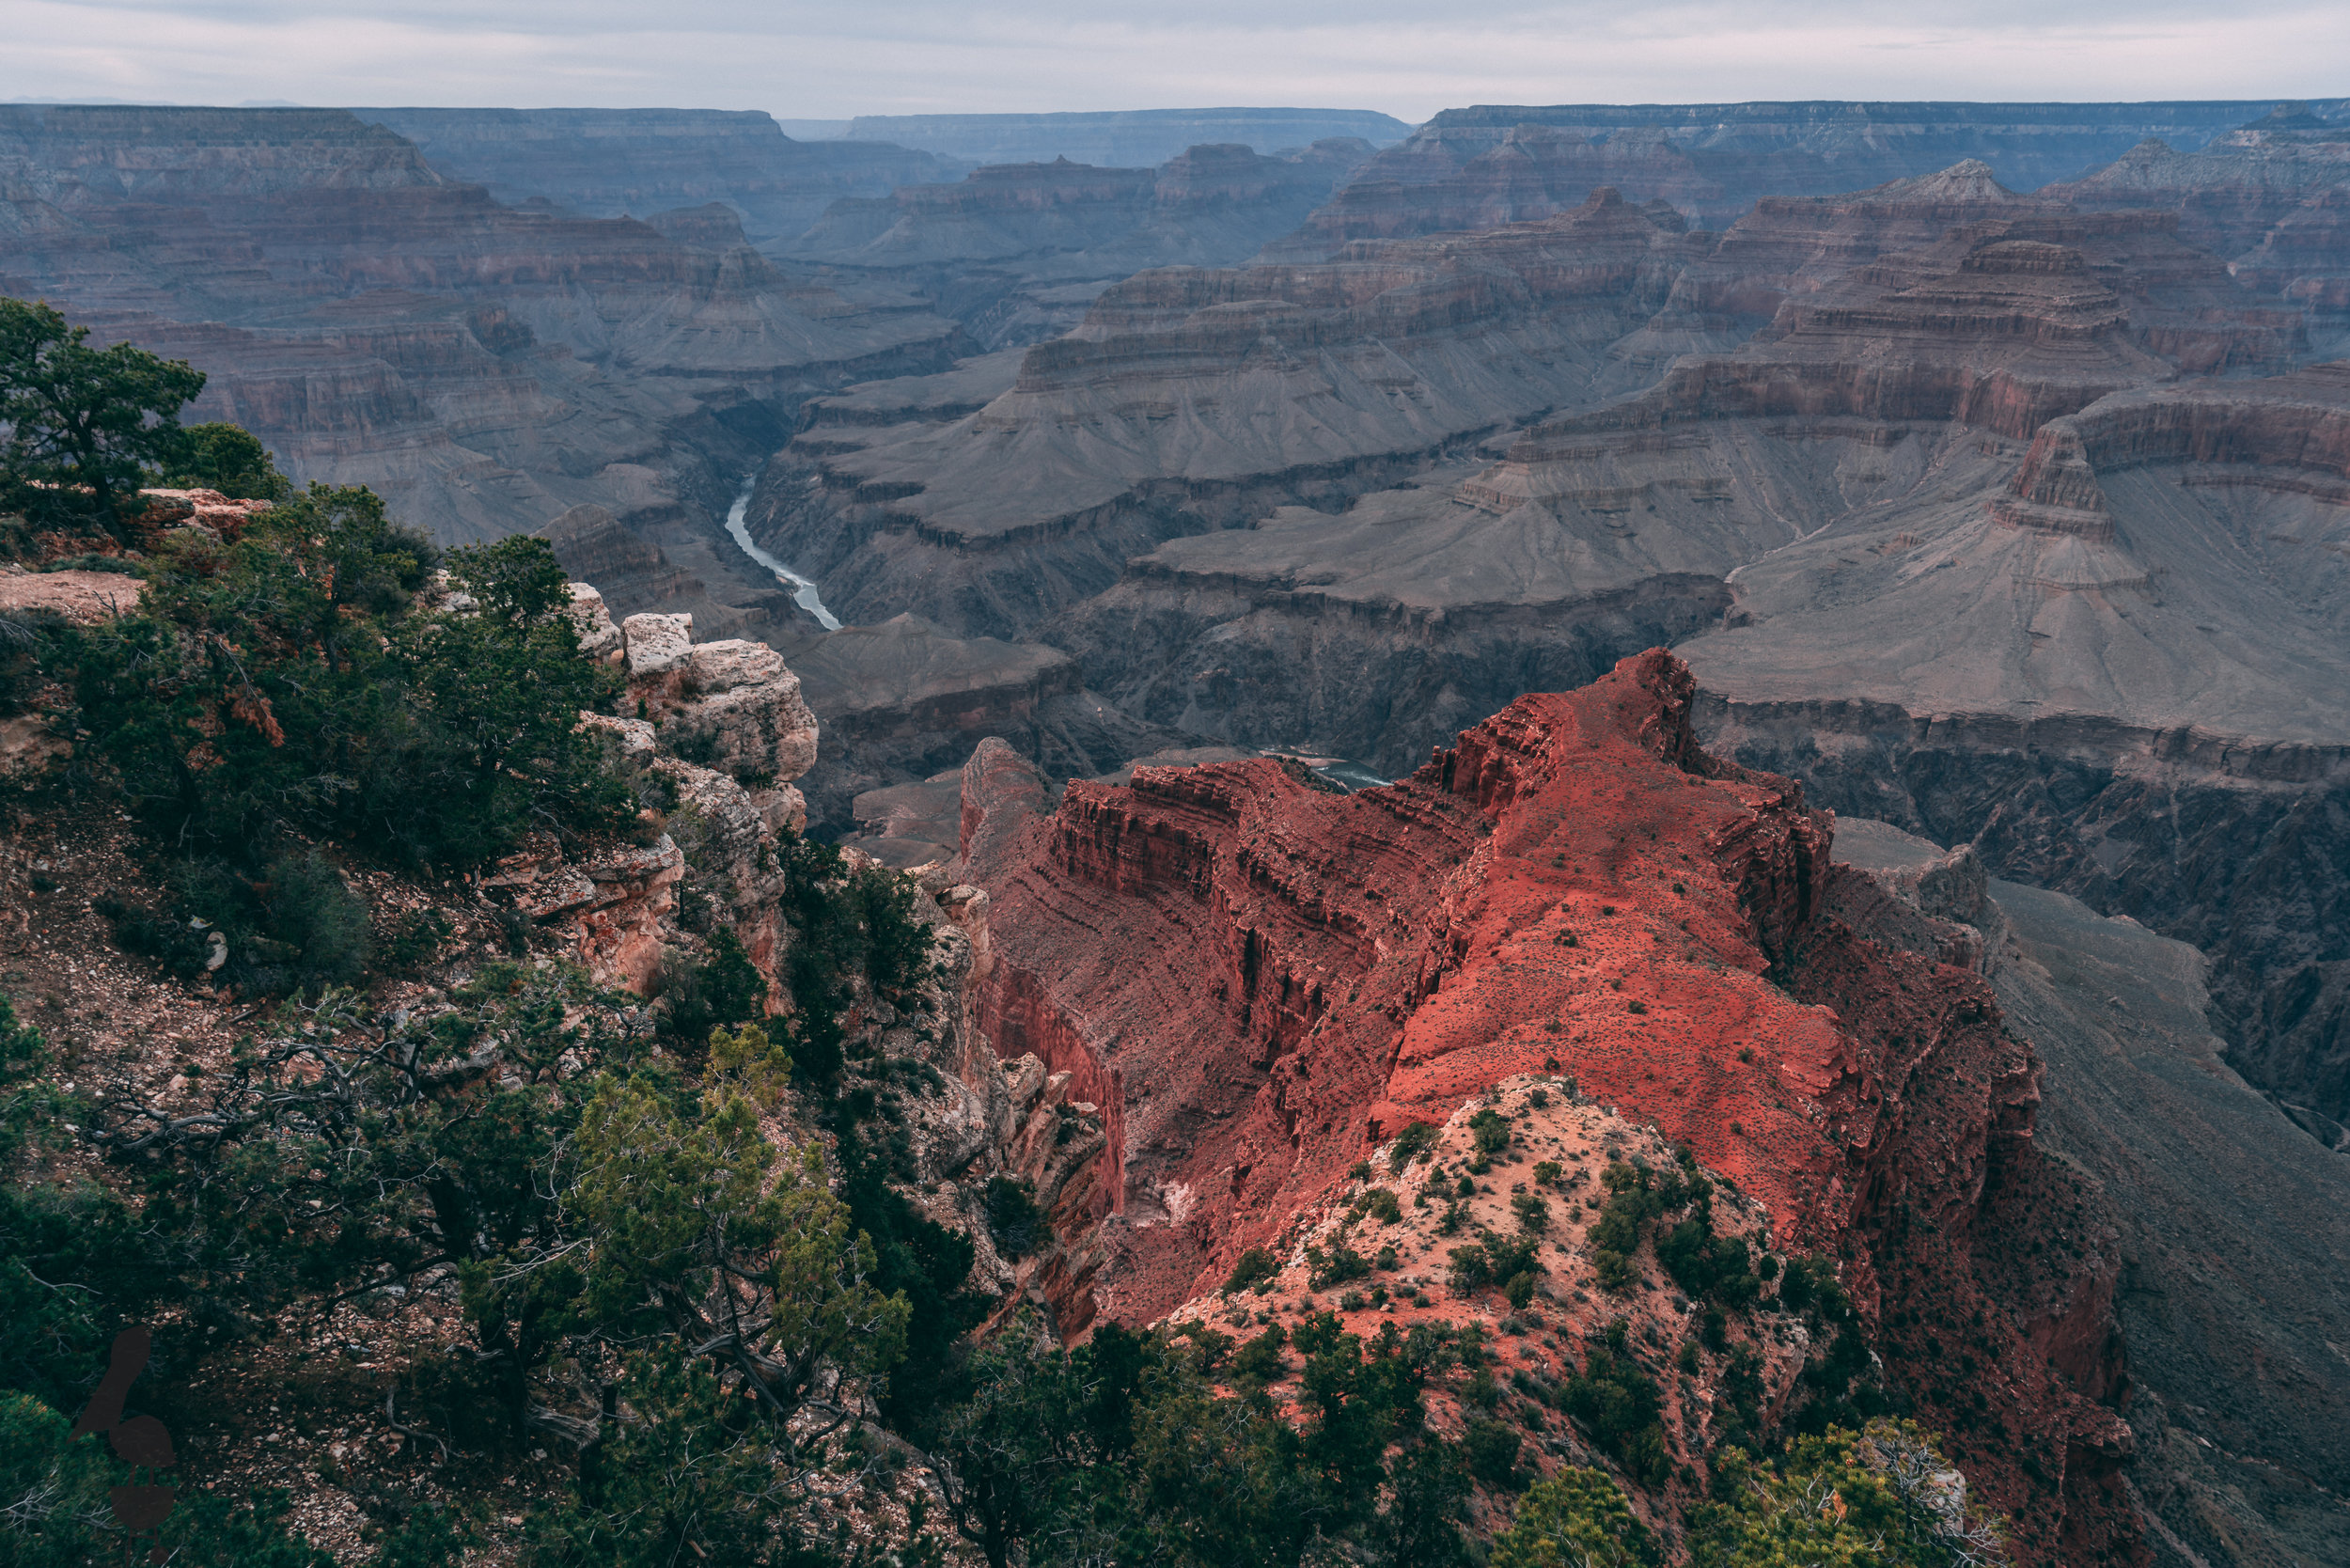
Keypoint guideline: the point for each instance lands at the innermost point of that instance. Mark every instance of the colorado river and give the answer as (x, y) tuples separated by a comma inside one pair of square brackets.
[(803, 592)]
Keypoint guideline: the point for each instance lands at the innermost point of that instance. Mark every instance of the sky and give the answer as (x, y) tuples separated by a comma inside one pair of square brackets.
[(1408, 58)]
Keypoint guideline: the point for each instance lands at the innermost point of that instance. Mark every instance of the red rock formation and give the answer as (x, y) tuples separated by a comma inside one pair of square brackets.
[(1257, 980)]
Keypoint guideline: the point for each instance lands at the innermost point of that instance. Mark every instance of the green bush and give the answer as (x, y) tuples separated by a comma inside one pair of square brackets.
[(721, 991), (1491, 1449), (1491, 1130), (222, 457), (289, 686), (1618, 1403), (1883, 1495), (1579, 1518), (1013, 1219), (1410, 1144), (1255, 1264), (1336, 1266)]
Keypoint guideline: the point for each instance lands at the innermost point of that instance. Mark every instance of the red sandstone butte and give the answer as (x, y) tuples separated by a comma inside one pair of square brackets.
[(1257, 980)]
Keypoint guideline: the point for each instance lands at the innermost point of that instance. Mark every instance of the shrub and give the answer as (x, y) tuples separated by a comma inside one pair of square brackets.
[(723, 990), (1410, 1144), (1253, 1265), (1491, 1130), (222, 457), (1013, 1219), (1704, 1265), (1334, 1267), (1472, 1268), (1533, 1213), (1491, 1450), (1896, 1502), (1618, 1405), (287, 686), (1260, 1361), (1579, 1518), (1546, 1173), (1380, 1205), (1614, 1271)]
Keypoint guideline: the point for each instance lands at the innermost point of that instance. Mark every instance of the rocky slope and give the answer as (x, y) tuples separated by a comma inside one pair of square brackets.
[(1128, 138), (638, 163), (1476, 168), (1258, 981), (2222, 1207), (1194, 398), (485, 368), (314, 1408)]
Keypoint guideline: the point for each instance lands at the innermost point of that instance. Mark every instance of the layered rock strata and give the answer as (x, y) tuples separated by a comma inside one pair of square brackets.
[(2118, 674), (485, 368), (1492, 164), (1882, 408), (1121, 137), (1258, 980), (1016, 252), (643, 162), (1196, 399)]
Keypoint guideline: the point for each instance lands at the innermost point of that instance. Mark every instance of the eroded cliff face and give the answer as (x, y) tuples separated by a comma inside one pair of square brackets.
[(2269, 197), (2218, 1204), (1259, 980)]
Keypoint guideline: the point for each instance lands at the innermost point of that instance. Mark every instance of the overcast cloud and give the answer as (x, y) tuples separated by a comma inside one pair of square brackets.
[(1408, 58)]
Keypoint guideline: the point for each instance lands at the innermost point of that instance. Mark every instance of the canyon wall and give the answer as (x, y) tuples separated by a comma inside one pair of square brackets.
[(2220, 1205), (636, 163), (1015, 252), (1477, 167), (1130, 138)]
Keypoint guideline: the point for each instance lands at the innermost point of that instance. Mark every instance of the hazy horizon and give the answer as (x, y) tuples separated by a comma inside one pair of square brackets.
[(799, 61)]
